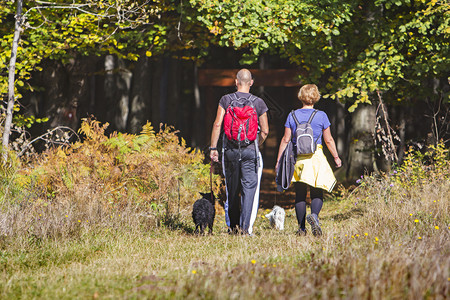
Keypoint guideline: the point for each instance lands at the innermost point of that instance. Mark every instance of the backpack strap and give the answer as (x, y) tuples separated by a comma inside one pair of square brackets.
[(251, 98), (232, 100), (312, 116), (295, 118)]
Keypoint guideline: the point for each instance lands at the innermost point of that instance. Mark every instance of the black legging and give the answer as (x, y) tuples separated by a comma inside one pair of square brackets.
[(316, 195)]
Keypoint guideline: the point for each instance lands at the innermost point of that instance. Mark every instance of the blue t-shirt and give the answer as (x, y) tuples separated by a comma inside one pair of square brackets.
[(319, 123)]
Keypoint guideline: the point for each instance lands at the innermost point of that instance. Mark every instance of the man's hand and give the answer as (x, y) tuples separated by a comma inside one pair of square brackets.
[(262, 137), (214, 154)]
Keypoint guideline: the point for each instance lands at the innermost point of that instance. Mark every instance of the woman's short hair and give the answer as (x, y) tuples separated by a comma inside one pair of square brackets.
[(309, 94)]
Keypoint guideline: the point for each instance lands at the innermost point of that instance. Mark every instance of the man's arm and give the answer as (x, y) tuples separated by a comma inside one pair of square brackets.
[(264, 124), (215, 134)]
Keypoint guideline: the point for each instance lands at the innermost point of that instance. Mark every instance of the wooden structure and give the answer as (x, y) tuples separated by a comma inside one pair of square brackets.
[(225, 77)]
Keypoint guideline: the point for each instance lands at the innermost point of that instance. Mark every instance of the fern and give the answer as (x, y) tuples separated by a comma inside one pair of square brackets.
[(150, 169), (148, 130)]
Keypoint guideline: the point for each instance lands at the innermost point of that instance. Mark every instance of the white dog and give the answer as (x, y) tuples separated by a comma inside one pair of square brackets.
[(276, 217)]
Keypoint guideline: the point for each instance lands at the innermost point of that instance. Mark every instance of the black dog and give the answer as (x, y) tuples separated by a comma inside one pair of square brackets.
[(203, 213)]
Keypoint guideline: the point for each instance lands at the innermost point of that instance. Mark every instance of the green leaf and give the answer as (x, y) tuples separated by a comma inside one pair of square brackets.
[(353, 107), (248, 59)]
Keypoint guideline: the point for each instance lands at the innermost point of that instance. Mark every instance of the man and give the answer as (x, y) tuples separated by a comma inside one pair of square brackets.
[(242, 165)]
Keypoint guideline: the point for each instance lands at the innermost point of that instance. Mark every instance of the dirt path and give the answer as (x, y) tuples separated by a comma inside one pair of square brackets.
[(269, 196)]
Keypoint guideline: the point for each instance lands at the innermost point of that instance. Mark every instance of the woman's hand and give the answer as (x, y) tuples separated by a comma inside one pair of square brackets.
[(283, 144), (338, 162)]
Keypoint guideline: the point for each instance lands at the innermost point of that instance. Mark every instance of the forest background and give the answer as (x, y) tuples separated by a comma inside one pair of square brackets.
[(127, 91), (382, 68)]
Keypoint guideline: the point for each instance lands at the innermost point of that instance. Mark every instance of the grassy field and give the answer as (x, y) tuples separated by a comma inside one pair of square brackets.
[(64, 236), (372, 249)]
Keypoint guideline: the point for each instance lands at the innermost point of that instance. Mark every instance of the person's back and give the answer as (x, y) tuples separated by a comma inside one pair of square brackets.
[(319, 122), (244, 103), (312, 170), (242, 162)]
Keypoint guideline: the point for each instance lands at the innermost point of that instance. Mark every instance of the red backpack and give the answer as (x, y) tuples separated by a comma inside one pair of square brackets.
[(240, 122)]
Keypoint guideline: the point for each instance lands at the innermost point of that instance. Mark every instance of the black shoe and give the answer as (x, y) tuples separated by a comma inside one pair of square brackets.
[(301, 232), (313, 220)]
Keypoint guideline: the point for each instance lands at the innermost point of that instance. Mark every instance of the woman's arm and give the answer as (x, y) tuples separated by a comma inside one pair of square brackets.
[(284, 141), (329, 141)]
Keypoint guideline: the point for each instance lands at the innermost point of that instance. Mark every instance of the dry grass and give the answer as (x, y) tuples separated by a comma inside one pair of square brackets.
[(387, 239), (368, 250)]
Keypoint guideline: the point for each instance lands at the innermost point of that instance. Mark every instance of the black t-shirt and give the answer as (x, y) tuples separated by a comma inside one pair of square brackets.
[(259, 104)]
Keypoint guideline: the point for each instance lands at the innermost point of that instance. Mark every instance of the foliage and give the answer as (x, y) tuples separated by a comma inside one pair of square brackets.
[(65, 29), (153, 171), (408, 46), (62, 29), (355, 47), (294, 28), (418, 169), (8, 176)]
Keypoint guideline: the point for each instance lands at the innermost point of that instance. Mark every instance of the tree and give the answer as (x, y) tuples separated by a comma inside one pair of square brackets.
[(355, 49), (63, 29), (358, 47), (11, 75)]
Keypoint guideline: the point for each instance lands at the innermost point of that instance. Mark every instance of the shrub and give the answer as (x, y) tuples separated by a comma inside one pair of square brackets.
[(413, 199), (149, 174)]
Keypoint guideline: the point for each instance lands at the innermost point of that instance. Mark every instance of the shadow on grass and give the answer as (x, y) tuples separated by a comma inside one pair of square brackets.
[(354, 212), (174, 222)]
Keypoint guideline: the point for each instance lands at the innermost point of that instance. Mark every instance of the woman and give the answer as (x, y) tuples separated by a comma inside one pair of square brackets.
[(311, 170)]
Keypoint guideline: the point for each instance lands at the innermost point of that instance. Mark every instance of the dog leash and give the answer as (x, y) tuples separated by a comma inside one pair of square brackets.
[(210, 179)]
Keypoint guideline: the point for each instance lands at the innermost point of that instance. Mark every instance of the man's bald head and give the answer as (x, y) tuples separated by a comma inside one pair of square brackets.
[(244, 77)]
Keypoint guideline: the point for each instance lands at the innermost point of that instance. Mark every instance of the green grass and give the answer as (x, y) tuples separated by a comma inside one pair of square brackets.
[(368, 249)]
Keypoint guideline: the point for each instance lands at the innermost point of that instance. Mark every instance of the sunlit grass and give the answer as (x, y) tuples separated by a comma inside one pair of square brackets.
[(388, 238), (377, 250)]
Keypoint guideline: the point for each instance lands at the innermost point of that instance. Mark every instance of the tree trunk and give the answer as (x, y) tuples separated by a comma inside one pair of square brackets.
[(11, 76), (70, 86), (361, 149), (173, 112), (140, 95), (157, 72), (123, 85), (402, 135), (197, 105), (337, 114)]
